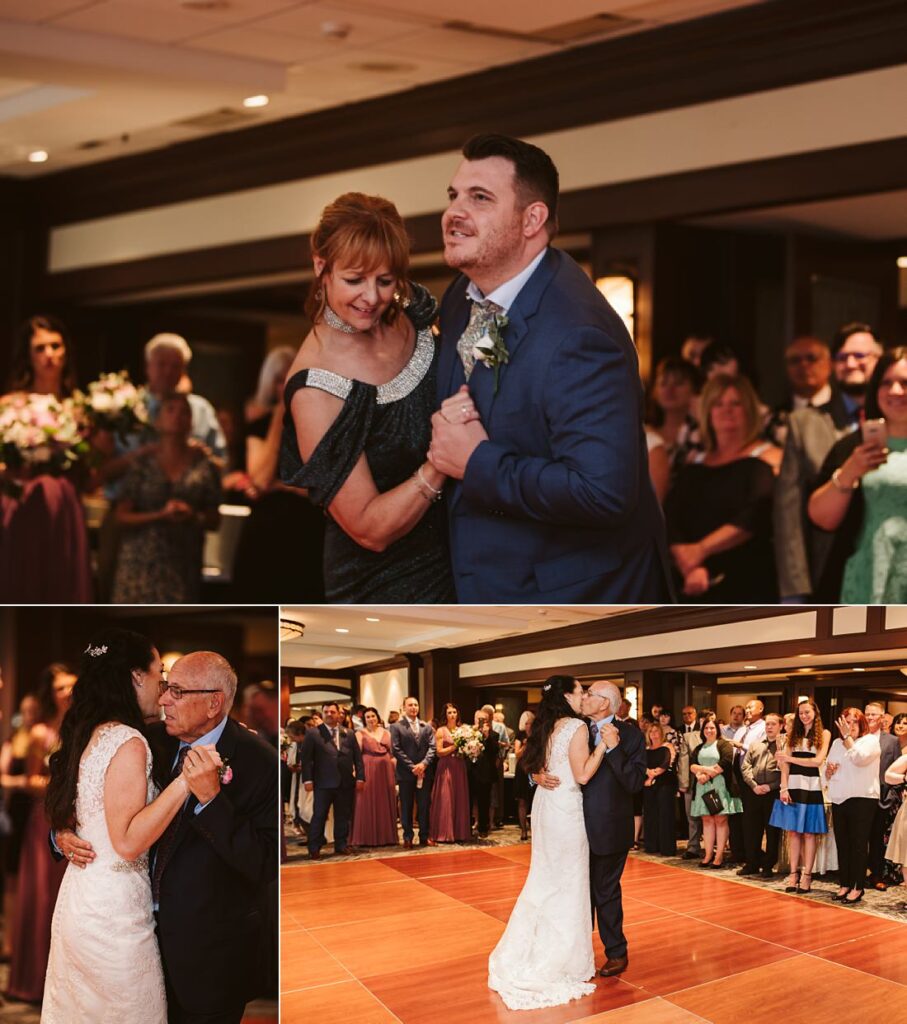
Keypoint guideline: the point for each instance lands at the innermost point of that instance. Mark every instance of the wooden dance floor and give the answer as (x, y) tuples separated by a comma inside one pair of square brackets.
[(406, 939)]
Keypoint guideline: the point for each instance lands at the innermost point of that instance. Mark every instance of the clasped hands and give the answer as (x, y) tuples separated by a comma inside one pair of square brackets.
[(201, 773), (456, 432)]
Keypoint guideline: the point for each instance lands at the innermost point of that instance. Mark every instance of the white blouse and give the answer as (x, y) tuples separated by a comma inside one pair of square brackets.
[(858, 769)]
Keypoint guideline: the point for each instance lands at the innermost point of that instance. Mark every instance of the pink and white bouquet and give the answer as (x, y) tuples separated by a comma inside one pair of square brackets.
[(114, 403), (468, 741), (40, 434)]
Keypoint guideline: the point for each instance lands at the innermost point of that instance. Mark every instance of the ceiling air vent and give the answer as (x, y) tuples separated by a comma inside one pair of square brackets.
[(566, 33), (226, 117)]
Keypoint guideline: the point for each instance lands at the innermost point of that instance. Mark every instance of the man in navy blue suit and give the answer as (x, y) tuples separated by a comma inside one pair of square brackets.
[(540, 425), (332, 767)]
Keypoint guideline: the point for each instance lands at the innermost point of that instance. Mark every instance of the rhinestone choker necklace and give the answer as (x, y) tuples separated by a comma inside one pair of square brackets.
[(332, 320)]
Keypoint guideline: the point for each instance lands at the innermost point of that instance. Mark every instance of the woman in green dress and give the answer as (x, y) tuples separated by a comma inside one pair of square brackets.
[(863, 492), (711, 765)]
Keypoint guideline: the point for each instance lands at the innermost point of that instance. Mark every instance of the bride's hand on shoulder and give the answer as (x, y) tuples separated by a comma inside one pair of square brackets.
[(77, 851)]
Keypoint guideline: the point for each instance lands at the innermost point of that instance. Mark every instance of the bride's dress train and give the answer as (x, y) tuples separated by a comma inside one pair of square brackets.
[(544, 957), (104, 967)]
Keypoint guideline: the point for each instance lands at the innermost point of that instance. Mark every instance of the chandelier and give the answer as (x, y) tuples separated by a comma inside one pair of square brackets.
[(291, 629)]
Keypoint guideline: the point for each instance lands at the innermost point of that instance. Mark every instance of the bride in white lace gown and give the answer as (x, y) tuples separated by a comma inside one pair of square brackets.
[(104, 966), (544, 957)]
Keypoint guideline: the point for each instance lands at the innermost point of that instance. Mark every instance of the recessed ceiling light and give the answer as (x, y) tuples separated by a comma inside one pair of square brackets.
[(804, 655), (806, 670), (371, 618), (38, 156), (859, 670), (340, 629), (256, 101), (750, 666), (902, 262)]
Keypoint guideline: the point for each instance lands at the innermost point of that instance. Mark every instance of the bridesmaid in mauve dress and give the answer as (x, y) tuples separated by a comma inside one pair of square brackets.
[(375, 816), (449, 820), (39, 875)]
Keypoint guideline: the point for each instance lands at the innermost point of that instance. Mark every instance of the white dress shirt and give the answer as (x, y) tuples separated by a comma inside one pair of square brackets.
[(505, 294)]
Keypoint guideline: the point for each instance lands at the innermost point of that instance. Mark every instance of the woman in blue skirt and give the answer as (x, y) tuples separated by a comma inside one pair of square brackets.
[(800, 811)]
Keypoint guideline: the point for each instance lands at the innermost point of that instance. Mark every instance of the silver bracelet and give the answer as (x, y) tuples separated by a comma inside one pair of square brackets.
[(421, 482)]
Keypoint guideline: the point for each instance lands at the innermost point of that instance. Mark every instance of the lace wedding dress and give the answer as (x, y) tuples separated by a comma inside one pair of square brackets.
[(544, 957), (104, 967)]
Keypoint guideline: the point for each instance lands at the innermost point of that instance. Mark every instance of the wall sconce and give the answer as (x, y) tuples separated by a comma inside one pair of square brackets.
[(620, 291)]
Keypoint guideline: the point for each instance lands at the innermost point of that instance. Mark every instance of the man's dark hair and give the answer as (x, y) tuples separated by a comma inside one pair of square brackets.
[(843, 333), (534, 174), (330, 704)]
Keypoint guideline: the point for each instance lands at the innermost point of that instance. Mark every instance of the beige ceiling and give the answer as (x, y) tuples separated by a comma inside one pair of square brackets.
[(403, 629), (413, 629), (875, 218), (89, 80)]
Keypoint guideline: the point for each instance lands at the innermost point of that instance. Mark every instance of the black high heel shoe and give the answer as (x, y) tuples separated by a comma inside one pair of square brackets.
[(850, 903), (795, 875), (705, 863)]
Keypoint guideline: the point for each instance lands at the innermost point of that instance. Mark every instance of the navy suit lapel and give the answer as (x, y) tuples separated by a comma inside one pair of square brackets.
[(524, 308), (453, 324)]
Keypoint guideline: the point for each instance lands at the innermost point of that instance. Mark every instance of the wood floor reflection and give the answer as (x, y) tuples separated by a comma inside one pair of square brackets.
[(406, 939)]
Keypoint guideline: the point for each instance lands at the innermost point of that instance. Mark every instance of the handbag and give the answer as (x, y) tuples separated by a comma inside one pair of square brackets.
[(712, 802)]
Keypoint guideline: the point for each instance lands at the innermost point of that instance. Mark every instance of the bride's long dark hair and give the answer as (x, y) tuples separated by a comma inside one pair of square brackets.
[(551, 710), (102, 693)]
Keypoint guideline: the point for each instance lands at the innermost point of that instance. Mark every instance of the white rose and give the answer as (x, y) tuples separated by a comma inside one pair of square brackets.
[(102, 401), (483, 348)]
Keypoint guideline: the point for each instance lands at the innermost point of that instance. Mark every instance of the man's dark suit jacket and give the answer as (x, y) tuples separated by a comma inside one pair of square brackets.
[(214, 913), (410, 750), (326, 765), (608, 795), (557, 505)]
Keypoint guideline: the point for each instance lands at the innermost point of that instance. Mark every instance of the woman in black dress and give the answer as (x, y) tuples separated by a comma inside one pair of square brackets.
[(659, 794), (359, 399), (483, 774), (522, 790), (719, 513)]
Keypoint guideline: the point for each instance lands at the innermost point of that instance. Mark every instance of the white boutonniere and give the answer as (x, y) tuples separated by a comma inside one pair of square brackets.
[(490, 348)]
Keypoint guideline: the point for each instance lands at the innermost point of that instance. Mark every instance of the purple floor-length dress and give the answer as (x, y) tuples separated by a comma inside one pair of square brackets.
[(375, 817), (449, 821)]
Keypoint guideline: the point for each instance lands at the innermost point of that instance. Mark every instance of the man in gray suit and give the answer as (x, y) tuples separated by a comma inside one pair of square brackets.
[(414, 748), (690, 738), (802, 550)]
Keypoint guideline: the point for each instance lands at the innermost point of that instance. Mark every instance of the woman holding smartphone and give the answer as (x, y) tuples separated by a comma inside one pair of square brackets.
[(863, 491)]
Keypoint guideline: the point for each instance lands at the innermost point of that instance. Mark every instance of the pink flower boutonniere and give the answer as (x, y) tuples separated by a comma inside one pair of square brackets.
[(225, 772)]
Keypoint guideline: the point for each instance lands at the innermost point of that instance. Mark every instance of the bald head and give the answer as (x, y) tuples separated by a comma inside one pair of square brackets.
[(605, 699), (210, 670)]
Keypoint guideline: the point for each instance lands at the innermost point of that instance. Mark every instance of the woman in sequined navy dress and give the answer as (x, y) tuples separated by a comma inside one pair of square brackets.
[(359, 398)]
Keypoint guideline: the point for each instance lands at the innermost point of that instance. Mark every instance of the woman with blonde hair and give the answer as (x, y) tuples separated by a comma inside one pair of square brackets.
[(719, 512), (360, 397)]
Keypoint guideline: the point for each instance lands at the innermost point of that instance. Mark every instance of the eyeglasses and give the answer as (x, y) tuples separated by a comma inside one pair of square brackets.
[(859, 357), (178, 692)]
